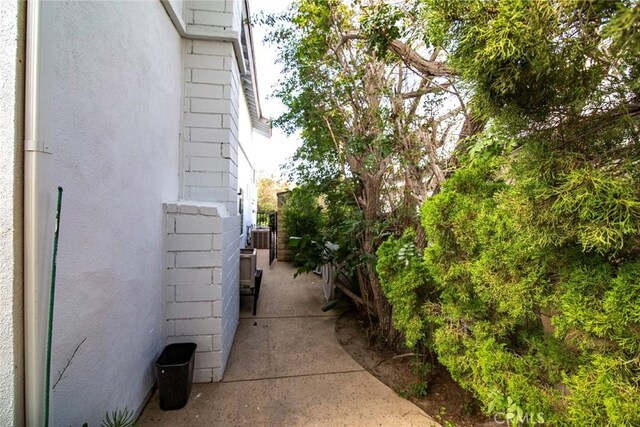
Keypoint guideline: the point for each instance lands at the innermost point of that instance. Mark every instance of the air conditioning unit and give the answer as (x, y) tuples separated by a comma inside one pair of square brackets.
[(248, 260), (260, 238)]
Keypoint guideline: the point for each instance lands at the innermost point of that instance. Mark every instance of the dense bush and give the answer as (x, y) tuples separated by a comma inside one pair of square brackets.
[(311, 225), (302, 214), (501, 255), (543, 219)]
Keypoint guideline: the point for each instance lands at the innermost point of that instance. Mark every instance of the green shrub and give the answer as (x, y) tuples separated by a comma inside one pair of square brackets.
[(405, 283), (302, 214), (499, 255), (303, 219), (497, 266)]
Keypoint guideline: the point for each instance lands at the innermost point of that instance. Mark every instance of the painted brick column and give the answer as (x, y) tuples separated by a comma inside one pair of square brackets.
[(211, 109), (203, 230), (200, 295)]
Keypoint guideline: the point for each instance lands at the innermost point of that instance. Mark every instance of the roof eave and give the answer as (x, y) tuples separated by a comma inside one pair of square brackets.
[(260, 123)]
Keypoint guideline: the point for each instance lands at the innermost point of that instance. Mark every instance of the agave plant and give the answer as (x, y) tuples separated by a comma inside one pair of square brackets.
[(119, 418)]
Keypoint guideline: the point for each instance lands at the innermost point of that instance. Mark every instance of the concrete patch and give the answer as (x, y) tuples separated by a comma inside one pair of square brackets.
[(265, 348), (353, 399), (286, 368)]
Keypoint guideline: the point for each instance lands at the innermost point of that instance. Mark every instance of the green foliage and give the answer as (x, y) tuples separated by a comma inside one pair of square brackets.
[(597, 305), (597, 209), (268, 189), (520, 56), (605, 392), (404, 279), (495, 273), (512, 413), (499, 254), (308, 254), (302, 215), (381, 24), (363, 112), (544, 216), (422, 371), (303, 219)]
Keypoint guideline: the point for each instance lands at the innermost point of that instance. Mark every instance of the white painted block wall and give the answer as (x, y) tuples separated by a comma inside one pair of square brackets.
[(210, 161), (246, 170), (199, 282), (210, 120), (120, 79), (211, 16)]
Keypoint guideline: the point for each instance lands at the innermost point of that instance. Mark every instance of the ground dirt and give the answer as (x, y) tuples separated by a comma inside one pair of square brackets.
[(443, 398)]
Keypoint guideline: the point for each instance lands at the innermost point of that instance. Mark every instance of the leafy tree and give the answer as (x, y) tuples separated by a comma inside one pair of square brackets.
[(268, 188), (378, 113)]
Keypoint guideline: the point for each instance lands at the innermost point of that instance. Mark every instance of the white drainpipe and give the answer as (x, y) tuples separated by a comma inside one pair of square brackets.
[(38, 220)]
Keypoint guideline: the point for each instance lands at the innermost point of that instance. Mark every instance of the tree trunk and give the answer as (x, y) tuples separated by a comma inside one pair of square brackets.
[(389, 334)]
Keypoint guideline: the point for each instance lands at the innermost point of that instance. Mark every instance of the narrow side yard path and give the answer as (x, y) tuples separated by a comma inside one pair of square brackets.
[(286, 368)]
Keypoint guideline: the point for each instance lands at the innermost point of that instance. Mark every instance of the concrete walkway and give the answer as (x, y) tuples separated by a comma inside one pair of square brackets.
[(286, 368)]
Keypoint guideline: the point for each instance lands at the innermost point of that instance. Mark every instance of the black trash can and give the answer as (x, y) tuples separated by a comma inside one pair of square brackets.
[(174, 369), (256, 291)]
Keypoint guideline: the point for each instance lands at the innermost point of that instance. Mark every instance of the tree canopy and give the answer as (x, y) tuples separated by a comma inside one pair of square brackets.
[(379, 114)]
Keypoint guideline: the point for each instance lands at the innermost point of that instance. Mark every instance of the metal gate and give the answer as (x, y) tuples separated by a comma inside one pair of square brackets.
[(273, 226)]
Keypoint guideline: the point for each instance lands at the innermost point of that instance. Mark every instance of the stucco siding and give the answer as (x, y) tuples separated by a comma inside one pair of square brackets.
[(116, 87), (12, 21)]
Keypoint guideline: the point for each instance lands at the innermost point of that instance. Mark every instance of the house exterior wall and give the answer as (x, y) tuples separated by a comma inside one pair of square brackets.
[(212, 16), (210, 147), (115, 79), (136, 115), (246, 171), (12, 27), (210, 119)]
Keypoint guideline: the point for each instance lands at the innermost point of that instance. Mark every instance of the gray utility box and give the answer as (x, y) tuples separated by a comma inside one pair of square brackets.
[(248, 260)]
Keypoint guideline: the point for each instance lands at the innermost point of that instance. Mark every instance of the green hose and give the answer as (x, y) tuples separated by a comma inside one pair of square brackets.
[(51, 299)]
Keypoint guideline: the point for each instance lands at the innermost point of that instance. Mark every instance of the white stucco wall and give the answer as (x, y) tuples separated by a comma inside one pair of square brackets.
[(116, 83), (12, 16)]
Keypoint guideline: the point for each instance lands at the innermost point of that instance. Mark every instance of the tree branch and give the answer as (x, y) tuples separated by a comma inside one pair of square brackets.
[(409, 56), (348, 292), (347, 37), (418, 93), (61, 373), (424, 66)]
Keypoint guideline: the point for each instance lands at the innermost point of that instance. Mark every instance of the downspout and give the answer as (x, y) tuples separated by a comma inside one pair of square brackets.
[(38, 221)]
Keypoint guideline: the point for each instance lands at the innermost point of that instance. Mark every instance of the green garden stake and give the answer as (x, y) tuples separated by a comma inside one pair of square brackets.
[(51, 299)]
